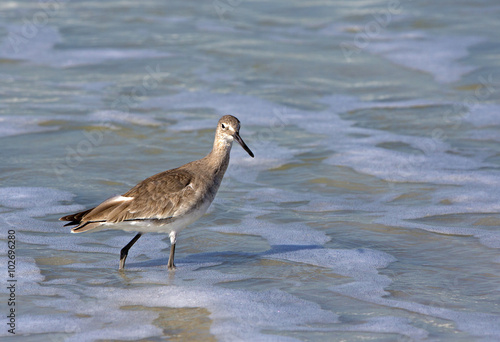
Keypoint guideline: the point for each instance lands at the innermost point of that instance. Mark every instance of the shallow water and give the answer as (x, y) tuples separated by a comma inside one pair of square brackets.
[(370, 211)]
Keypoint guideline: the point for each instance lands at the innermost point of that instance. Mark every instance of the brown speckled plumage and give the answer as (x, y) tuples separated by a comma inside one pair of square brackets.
[(169, 200)]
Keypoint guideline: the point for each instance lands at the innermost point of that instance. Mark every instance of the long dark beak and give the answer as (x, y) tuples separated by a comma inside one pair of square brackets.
[(242, 143)]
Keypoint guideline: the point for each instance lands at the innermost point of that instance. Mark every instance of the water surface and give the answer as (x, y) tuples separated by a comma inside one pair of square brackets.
[(370, 211)]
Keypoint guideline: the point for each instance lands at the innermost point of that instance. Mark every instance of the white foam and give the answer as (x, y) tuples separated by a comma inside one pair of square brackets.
[(399, 166), (40, 50), (368, 285), (17, 125), (29, 197), (475, 323), (78, 57), (28, 124), (436, 164), (390, 324), (288, 234), (246, 169), (436, 55), (218, 26), (115, 323), (15, 45), (483, 115), (249, 110), (5, 5), (115, 116), (235, 314), (360, 264)]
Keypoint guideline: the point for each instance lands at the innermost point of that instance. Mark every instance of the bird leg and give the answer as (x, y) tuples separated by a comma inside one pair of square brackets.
[(171, 265), (173, 239), (124, 251)]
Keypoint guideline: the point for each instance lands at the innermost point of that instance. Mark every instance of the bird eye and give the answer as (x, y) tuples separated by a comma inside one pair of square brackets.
[(223, 126)]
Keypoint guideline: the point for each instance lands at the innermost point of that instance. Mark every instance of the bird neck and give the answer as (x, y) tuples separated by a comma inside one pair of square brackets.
[(219, 158)]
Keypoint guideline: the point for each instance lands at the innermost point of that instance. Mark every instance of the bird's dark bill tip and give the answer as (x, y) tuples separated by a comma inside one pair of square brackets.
[(242, 143)]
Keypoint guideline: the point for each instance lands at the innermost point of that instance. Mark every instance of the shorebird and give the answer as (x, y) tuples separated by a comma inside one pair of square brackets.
[(168, 201)]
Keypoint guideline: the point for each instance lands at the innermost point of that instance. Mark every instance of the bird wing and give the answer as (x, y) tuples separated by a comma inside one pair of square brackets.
[(158, 197)]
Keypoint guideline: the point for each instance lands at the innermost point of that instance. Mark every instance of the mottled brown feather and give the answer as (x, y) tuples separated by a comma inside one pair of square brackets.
[(171, 194), (158, 197), (86, 227), (75, 218)]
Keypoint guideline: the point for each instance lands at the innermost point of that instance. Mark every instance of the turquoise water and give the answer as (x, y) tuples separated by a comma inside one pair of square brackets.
[(370, 210)]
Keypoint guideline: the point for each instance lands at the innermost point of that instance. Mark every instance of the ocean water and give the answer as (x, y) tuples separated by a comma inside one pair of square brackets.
[(370, 211)]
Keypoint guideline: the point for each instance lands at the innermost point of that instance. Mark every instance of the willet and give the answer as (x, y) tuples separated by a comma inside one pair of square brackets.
[(168, 201)]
